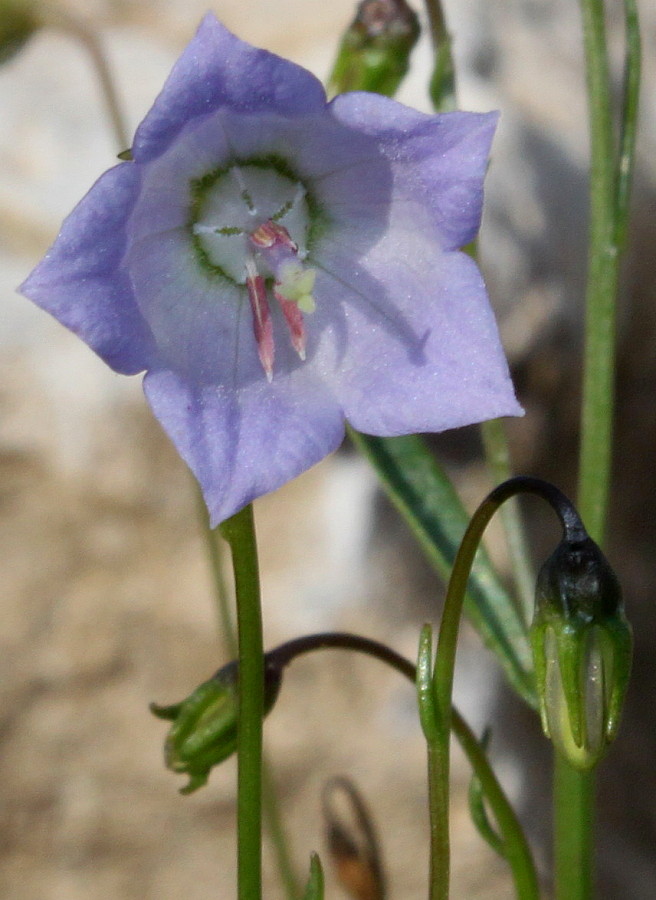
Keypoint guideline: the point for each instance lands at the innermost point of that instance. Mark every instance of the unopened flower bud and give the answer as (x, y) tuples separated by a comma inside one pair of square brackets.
[(582, 651), (375, 50), (204, 729), (18, 21)]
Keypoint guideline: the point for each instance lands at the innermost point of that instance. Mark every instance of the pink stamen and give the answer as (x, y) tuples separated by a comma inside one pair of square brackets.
[(262, 324), (277, 249), (271, 234), (294, 319)]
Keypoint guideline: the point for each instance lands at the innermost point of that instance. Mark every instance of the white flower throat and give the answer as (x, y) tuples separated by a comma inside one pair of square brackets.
[(252, 223)]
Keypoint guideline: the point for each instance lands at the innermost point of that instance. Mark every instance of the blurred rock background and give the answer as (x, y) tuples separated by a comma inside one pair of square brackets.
[(106, 600)]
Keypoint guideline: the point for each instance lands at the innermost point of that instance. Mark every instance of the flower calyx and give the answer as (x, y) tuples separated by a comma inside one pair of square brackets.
[(582, 648), (203, 732)]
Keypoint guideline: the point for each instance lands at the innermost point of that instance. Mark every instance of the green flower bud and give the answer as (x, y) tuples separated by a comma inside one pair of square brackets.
[(375, 50), (204, 729), (18, 21), (582, 651)]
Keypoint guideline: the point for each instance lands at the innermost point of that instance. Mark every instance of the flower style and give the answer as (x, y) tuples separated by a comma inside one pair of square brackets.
[(278, 264)]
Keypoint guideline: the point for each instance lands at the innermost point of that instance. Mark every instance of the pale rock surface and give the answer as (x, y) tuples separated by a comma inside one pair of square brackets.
[(107, 603)]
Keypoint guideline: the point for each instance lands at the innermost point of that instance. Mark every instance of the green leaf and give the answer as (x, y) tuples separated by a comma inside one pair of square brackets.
[(424, 495), (314, 887)]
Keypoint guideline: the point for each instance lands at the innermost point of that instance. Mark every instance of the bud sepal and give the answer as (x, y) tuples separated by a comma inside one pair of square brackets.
[(204, 729), (582, 648)]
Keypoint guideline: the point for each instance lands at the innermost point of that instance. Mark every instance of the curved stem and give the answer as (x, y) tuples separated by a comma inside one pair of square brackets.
[(497, 456), (517, 850), (63, 19), (448, 639), (239, 532)]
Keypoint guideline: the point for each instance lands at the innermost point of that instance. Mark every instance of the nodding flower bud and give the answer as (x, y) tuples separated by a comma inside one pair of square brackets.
[(582, 650), (375, 50), (204, 729), (18, 21)]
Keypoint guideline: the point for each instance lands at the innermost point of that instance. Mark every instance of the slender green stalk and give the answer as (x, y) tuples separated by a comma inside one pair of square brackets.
[(222, 597), (497, 455), (442, 86), (439, 749), (629, 123), (239, 532), (573, 813), (277, 833), (610, 178), (438, 786), (448, 641), (516, 847), (270, 806), (599, 357), (58, 17)]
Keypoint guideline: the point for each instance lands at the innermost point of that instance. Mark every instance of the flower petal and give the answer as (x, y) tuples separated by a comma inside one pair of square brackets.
[(81, 282), (218, 71), (422, 347), (242, 444), (201, 322), (438, 163)]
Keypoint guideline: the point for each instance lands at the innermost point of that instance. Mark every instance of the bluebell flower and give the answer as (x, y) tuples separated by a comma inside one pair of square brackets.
[(278, 264)]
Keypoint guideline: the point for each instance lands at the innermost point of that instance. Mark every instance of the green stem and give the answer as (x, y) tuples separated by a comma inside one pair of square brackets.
[(629, 123), (516, 847), (447, 645), (603, 259), (497, 455), (239, 532), (58, 17), (277, 833), (222, 597), (610, 178), (270, 806), (442, 87), (573, 811), (438, 804)]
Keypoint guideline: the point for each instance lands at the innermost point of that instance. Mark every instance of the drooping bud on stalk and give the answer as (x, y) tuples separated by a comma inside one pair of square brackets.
[(375, 50), (204, 729), (582, 650)]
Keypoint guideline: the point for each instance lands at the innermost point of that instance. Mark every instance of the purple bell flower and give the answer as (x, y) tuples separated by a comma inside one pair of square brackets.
[(278, 264)]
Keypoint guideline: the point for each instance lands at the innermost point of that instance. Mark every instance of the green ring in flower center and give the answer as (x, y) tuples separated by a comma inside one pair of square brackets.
[(229, 203)]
